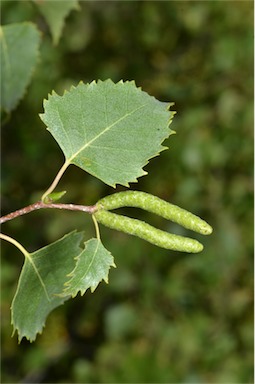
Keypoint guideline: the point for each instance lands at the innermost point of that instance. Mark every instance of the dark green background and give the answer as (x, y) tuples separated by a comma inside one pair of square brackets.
[(165, 317)]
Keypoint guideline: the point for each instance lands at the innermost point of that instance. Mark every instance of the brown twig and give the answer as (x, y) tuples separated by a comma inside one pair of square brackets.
[(39, 205)]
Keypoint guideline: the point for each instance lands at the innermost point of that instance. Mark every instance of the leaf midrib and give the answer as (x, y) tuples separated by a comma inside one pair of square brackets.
[(29, 258), (69, 161)]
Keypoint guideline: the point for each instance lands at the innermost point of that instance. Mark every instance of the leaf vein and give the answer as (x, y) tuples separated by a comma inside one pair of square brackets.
[(39, 276), (92, 259), (104, 131)]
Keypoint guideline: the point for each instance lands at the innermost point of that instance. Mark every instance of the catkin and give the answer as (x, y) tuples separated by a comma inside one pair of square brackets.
[(158, 206), (147, 232)]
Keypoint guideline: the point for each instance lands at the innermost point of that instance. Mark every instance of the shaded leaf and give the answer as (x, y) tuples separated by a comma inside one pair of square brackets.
[(109, 130), (41, 281), (55, 13), (19, 51), (92, 266)]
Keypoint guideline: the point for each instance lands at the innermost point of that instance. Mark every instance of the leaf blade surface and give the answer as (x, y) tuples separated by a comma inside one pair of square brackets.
[(55, 13), (93, 265), (41, 281), (19, 48), (109, 130)]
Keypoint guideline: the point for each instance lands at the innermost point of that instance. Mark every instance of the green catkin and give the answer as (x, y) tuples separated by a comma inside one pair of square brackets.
[(158, 206), (147, 232)]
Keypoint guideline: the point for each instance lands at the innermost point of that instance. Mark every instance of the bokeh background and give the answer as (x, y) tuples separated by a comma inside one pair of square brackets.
[(165, 317)]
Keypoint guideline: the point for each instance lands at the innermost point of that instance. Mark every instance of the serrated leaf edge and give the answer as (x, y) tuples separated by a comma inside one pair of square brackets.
[(71, 275), (39, 332), (94, 82), (56, 38)]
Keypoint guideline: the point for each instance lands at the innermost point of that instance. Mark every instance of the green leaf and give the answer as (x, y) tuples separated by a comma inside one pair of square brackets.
[(109, 130), (19, 51), (55, 13), (92, 266), (41, 281)]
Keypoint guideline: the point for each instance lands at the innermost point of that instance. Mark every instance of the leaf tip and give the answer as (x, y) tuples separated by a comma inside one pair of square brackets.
[(22, 335), (93, 288), (81, 83)]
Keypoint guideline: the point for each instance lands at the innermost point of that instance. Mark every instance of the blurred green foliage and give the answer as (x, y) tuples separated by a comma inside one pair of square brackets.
[(164, 317)]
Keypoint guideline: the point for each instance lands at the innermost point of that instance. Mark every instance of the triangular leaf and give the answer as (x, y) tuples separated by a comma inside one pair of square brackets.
[(92, 266), (41, 281), (109, 130), (55, 13), (19, 51)]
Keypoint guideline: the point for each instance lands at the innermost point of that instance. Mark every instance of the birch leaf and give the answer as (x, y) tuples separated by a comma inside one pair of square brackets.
[(109, 130), (92, 266), (41, 281)]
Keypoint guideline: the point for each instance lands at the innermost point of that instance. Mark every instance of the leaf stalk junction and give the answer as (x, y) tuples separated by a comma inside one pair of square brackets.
[(56, 180), (15, 243)]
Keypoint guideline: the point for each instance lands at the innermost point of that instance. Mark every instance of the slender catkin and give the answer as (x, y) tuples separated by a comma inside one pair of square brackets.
[(158, 206), (147, 232)]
